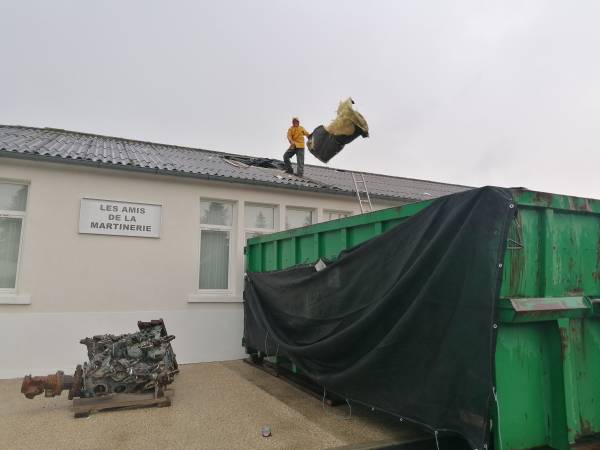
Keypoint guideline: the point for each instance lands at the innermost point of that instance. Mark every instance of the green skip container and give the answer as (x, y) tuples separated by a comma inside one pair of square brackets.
[(548, 343)]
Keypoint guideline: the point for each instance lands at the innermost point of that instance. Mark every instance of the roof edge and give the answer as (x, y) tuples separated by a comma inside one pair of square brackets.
[(62, 130), (101, 165)]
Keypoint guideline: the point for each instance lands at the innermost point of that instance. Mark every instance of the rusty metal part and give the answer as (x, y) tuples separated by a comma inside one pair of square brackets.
[(153, 323), (51, 385), (133, 363), (77, 385)]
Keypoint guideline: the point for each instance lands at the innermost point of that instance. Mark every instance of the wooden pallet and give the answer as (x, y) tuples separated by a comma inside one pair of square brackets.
[(83, 407)]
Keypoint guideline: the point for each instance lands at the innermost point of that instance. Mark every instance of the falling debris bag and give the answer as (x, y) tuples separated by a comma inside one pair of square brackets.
[(326, 142), (403, 322)]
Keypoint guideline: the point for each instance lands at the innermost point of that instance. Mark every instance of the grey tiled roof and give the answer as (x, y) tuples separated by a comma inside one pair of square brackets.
[(67, 146)]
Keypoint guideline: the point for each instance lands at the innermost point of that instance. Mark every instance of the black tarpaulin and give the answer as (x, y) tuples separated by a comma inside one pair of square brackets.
[(324, 145), (326, 142), (402, 322)]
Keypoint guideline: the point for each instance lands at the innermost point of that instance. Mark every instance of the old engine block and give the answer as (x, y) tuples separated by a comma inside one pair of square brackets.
[(127, 363)]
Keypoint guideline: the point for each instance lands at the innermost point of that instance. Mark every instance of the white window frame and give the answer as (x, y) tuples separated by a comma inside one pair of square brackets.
[(334, 211), (313, 215), (260, 231), (9, 295), (232, 246)]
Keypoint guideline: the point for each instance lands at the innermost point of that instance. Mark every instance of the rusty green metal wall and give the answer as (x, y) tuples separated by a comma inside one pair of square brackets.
[(553, 247), (548, 346)]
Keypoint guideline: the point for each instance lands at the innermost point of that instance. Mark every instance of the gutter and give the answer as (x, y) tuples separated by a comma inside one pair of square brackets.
[(131, 168)]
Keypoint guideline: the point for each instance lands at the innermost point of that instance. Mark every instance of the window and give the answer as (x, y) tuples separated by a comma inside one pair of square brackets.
[(296, 217), (259, 219), (332, 215), (216, 219), (13, 198)]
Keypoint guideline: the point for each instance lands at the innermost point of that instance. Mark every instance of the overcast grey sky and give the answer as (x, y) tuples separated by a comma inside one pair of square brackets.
[(468, 92)]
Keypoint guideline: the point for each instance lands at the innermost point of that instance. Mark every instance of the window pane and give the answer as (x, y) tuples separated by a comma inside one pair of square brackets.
[(216, 213), (13, 196), (260, 216), (333, 215), (10, 236), (298, 218), (214, 259)]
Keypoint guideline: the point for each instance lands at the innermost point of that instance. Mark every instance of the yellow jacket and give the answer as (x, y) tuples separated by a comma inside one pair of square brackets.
[(296, 135)]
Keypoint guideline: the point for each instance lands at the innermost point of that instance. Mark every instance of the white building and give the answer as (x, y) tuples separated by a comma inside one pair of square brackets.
[(98, 232)]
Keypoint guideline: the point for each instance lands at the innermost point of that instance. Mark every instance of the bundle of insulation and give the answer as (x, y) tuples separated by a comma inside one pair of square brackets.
[(326, 142)]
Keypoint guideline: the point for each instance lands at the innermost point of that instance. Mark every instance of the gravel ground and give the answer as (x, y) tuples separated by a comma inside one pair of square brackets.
[(215, 406)]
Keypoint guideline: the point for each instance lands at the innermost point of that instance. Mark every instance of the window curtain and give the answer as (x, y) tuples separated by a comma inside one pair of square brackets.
[(214, 259), (10, 237)]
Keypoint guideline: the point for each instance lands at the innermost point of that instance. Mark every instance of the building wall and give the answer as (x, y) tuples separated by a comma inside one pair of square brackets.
[(74, 285)]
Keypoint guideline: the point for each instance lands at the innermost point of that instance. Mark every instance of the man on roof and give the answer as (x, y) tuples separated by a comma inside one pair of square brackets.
[(295, 136)]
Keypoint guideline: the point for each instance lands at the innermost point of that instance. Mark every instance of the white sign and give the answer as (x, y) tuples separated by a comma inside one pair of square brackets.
[(119, 218)]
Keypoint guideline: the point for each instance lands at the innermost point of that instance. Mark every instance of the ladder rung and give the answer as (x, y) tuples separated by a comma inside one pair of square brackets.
[(364, 199)]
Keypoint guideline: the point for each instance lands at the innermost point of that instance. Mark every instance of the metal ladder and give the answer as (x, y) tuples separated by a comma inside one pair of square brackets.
[(364, 201)]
